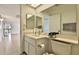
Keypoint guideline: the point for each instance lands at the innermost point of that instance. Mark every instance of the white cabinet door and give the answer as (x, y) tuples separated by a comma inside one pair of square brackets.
[(29, 46), (60, 48), (41, 50), (31, 50), (75, 49), (26, 47)]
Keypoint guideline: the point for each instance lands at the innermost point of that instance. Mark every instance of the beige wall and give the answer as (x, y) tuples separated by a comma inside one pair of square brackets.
[(67, 14), (77, 19), (43, 7)]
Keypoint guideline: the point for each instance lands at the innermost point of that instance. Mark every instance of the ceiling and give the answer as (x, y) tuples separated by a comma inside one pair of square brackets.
[(40, 7), (44, 7)]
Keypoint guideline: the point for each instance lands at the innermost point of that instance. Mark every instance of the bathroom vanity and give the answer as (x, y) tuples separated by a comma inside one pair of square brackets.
[(61, 46), (35, 45)]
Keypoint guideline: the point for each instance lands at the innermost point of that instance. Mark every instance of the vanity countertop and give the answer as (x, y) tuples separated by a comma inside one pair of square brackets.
[(73, 41), (37, 36)]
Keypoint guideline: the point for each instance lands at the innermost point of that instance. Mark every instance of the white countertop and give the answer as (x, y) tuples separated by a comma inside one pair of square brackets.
[(37, 36), (73, 41)]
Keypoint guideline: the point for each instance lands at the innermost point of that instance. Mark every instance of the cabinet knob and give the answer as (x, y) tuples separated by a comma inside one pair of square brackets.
[(41, 45)]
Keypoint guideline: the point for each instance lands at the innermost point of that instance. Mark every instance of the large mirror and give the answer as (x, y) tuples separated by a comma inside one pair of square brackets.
[(38, 22), (33, 23), (30, 20)]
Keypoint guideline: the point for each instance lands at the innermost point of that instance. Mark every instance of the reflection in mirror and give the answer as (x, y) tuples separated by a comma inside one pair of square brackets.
[(39, 24), (33, 24), (38, 21), (30, 21)]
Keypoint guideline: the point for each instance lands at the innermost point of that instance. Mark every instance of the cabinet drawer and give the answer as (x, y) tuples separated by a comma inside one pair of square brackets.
[(30, 40), (61, 48)]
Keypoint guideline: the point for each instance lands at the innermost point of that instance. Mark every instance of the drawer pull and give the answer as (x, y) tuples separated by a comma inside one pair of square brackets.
[(41, 45)]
